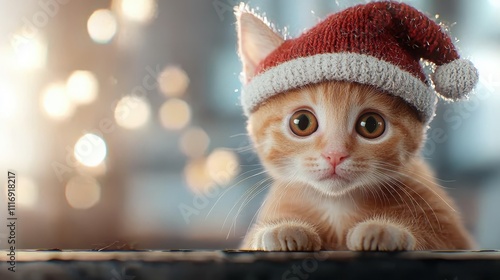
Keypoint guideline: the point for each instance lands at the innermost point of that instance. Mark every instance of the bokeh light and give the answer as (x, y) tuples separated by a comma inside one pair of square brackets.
[(175, 114), (196, 175), (138, 10), (82, 192), (94, 171), (56, 102), (132, 112), (29, 52), (223, 166), (82, 87), (9, 104), (90, 150), (194, 142), (102, 26), (495, 3), (173, 81), (26, 192)]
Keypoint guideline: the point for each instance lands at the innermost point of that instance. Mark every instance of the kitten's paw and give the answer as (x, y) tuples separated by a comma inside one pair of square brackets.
[(379, 236), (287, 237)]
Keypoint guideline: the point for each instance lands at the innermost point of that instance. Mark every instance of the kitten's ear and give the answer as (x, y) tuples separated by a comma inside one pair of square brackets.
[(256, 40)]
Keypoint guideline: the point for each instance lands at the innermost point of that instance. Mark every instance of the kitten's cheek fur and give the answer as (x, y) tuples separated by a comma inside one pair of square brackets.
[(379, 236), (286, 237)]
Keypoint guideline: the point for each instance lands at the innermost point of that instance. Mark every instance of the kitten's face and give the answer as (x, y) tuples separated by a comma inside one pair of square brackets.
[(335, 137)]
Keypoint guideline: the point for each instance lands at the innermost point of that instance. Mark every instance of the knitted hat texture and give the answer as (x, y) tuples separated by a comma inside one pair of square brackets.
[(378, 44)]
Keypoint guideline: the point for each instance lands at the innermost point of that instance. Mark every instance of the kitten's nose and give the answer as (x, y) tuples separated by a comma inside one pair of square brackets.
[(335, 157)]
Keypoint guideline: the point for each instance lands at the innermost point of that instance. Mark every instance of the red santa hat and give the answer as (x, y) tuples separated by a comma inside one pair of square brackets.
[(378, 44)]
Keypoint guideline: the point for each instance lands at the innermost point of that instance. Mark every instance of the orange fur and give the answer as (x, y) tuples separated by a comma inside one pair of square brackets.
[(385, 198)]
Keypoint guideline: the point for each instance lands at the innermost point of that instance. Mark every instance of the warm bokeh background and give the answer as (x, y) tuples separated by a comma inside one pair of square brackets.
[(119, 116)]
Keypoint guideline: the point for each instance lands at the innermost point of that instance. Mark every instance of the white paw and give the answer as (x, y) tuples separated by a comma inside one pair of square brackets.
[(379, 236), (286, 237)]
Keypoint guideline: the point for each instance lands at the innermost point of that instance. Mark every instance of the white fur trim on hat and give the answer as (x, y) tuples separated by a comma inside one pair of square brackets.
[(456, 79), (350, 67)]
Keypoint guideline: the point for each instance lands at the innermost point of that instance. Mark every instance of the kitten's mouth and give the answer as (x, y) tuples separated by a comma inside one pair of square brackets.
[(332, 175)]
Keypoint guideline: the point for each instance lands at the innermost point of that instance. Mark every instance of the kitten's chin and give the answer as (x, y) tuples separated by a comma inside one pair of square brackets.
[(334, 186)]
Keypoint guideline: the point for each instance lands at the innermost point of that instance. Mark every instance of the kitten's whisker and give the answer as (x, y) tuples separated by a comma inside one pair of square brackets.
[(384, 178), (258, 210), (239, 134), (407, 193), (421, 183), (430, 207), (284, 191), (249, 165), (264, 203), (372, 192), (243, 149), (402, 166), (234, 185), (384, 195), (375, 178), (248, 199), (386, 186), (353, 201), (244, 196), (233, 225), (393, 168)]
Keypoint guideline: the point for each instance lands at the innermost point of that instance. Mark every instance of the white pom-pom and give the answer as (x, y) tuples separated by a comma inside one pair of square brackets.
[(455, 80)]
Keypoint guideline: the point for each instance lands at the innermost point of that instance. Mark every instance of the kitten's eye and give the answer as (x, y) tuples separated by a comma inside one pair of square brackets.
[(370, 125), (303, 123)]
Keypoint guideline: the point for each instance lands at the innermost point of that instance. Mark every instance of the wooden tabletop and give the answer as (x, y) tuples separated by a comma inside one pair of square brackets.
[(230, 264)]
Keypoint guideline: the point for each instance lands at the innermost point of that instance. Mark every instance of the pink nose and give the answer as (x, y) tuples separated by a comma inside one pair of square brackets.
[(335, 158)]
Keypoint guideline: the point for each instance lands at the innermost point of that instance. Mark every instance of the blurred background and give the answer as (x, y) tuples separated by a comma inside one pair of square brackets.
[(122, 120)]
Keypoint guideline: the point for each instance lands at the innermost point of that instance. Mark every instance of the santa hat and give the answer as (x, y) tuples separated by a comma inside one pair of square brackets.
[(378, 44)]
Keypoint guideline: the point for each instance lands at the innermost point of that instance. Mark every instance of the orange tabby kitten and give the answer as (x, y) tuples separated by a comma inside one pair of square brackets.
[(356, 182), (346, 163)]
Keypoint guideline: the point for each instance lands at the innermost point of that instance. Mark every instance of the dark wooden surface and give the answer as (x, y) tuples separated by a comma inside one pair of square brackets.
[(188, 264)]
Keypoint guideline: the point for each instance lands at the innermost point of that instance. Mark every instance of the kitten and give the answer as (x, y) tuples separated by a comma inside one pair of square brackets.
[(345, 159), (344, 185)]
